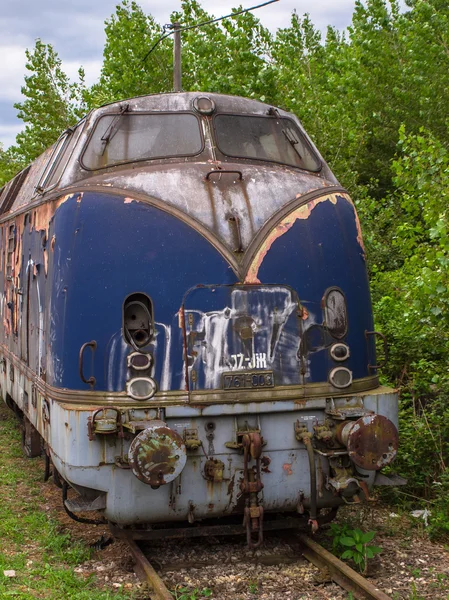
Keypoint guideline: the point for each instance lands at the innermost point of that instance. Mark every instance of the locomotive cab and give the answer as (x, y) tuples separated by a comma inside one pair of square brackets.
[(194, 321)]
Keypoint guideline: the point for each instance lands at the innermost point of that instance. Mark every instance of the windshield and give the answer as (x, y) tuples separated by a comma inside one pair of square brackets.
[(264, 138), (125, 137)]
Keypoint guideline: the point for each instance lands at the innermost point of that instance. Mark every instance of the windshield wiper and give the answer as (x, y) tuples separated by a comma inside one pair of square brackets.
[(292, 139), (113, 128)]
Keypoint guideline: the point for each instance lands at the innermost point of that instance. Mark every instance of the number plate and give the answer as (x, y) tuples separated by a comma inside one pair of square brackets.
[(257, 379)]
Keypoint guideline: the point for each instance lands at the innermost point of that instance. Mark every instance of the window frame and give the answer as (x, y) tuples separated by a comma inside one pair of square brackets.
[(8, 197), (117, 113), (53, 162), (301, 135)]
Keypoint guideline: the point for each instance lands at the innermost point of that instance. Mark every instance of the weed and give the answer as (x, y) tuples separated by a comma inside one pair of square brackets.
[(414, 595), (353, 544), (33, 545), (253, 587), (185, 593)]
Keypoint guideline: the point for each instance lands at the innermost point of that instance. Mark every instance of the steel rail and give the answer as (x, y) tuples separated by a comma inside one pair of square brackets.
[(147, 573), (339, 572)]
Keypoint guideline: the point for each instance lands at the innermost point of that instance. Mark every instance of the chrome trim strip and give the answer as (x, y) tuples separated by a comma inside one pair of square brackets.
[(297, 393)]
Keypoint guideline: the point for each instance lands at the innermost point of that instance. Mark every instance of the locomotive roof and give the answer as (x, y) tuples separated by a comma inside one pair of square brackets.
[(183, 101), (184, 182)]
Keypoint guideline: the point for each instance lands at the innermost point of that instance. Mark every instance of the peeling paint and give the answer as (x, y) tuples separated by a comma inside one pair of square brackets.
[(288, 468), (303, 212), (359, 229), (216, 343), (129, 200)]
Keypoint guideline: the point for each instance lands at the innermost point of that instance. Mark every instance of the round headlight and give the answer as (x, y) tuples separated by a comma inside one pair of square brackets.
[(339, 352), (141, 388), (340, 377), (204, 105), (139, 361)]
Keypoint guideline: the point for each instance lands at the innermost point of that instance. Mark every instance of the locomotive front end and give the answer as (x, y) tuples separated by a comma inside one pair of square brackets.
[(210, 343)]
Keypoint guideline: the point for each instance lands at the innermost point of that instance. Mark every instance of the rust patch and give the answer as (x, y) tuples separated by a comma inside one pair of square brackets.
[(300, 402), (157, 455), (359, 229), (45, 212), (288, 468), (45, 253), (265, 462), (372, 442)]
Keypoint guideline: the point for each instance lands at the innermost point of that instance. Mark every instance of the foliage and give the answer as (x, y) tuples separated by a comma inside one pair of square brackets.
[(230, 57), (43, 558), (51, 102), (10, 164), (352, 544), (125, 71), (186, 593), (411, 305)]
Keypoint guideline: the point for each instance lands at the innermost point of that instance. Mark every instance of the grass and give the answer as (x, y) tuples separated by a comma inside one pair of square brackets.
[(31, 543)]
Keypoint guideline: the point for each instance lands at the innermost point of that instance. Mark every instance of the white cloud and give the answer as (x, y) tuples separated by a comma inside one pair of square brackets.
[(8, 134), (92, 70), (12, 72)]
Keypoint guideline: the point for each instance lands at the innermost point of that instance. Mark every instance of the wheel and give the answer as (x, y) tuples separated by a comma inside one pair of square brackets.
[(56, 478), (31, 440)]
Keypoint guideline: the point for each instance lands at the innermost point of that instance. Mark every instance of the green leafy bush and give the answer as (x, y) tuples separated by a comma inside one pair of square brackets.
[(352, 544)]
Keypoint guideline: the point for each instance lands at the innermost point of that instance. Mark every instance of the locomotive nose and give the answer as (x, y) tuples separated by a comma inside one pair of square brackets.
[(372, 441), (157, 455)]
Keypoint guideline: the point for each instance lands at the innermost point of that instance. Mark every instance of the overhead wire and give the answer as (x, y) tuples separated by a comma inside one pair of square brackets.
[(187, 27)]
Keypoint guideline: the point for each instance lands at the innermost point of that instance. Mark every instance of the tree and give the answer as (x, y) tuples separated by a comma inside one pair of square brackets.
[(51, 102), (231, 57), (126, 71), (10, 164)]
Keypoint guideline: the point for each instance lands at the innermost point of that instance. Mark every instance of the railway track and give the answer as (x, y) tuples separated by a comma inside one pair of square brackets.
[(332, 567)]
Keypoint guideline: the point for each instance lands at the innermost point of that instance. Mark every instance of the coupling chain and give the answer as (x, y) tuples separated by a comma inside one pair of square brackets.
[(251, 485)]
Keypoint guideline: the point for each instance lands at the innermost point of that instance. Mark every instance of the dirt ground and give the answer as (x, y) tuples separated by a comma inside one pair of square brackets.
[(410, 566)]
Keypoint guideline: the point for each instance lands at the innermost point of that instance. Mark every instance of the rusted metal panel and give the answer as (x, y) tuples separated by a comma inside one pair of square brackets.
[(372, 441)]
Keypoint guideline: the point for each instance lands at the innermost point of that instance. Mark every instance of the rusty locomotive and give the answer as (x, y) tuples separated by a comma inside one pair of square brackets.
[(186, 321)]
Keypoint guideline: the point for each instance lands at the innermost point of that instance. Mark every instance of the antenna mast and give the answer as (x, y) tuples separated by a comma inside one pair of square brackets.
[(177, 65), (176, 32)]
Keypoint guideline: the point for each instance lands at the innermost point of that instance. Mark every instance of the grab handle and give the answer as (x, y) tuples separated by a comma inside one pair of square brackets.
[(91, 381), (384, 339), (220, 171)]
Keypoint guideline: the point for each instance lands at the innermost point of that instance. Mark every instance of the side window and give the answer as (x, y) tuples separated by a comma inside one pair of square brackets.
[(8, 196), (58, 160)]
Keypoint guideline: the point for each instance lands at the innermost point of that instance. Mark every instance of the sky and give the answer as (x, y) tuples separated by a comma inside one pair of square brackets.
[(75, 28)]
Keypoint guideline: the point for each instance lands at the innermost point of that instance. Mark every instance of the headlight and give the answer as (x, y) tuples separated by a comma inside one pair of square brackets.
[(204, 105), (339, 352), (340, 377), (139, 361), (141, 388)]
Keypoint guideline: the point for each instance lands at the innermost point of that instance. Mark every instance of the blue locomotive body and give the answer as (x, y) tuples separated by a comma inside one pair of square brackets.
[(187, 320)]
